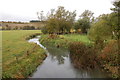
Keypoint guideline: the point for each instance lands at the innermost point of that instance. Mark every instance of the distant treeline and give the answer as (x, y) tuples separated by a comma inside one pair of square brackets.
[(32, 25), (20, 28), (13, 22)]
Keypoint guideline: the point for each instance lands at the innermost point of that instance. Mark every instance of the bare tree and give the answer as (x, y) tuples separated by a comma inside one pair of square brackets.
[(41, 16)]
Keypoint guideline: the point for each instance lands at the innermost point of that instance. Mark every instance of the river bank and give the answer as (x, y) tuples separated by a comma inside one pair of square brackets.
[(20, 58), (78, 47)]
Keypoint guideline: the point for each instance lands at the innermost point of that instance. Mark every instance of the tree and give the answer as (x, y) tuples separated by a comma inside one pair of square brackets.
[(116, 4), (84, 21), (28, 28), (116, 14), (40, 15), (87, 14), (116, 11), (101, 30), (82, 24), (107, 25), (60, 21)]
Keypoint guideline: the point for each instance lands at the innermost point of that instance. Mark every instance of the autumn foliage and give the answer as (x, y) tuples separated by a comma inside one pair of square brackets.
[(109, 57)]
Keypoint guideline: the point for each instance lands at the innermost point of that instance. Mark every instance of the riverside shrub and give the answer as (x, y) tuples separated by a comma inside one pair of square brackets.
[(53, 36), (110, 53), (82, 56), (109, 57)]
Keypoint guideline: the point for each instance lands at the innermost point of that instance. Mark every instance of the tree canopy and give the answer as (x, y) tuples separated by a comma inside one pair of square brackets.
[(84, 21), (60, 20), (101, 29), (106, 25)]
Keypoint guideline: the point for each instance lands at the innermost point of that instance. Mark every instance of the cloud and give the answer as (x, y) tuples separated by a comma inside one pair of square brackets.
[(10, 17), (25, 10)]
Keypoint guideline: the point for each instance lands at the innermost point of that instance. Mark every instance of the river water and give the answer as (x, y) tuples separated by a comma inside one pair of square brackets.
[(58, 65)]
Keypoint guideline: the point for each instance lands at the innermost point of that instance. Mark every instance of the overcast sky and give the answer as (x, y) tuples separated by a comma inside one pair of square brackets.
[(25, 10)]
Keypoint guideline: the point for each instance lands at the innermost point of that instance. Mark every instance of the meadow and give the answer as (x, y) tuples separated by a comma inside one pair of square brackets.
[(18, 55), (77, 37)]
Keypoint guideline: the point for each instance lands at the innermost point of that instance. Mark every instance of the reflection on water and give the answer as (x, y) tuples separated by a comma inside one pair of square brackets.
[(58, 65), (57, 54)]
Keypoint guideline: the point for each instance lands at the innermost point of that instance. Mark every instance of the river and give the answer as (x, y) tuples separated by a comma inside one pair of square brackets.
[(58, 65)]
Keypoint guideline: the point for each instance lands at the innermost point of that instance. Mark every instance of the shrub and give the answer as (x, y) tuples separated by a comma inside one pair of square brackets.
[(32, 36), (44, 30), (110, 53), (3, 28), (109, 57), (82, 56), (28, 28), (53, 36)]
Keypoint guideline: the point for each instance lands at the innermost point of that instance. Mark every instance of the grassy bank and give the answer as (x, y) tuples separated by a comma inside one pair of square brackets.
[(64, 40), (20, 58)]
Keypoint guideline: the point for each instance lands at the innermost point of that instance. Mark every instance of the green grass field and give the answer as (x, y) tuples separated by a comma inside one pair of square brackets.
[(16, 62), (77, 37)]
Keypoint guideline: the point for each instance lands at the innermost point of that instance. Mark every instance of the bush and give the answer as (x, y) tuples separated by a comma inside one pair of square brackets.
[(53, 36), (28, 28), (32, 36), (3, 28), (109, 57), (110, 53), (44, 30), (82, 56)]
